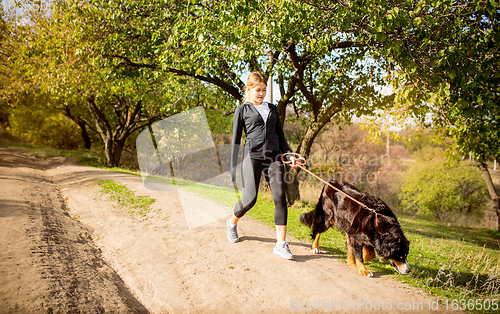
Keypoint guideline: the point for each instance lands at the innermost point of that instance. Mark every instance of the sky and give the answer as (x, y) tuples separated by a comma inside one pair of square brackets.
[(6, 2)]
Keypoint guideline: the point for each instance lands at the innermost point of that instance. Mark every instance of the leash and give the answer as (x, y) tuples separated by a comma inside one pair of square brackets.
[(301, 162)]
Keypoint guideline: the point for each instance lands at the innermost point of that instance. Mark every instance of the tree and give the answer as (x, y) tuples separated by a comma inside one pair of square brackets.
[(20, 86), (445, 59), (321, 69), (113, 100), (6, 73), (439, 189)]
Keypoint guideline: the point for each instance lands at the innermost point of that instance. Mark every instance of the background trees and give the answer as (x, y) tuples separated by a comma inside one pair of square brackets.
[(6, 72), (444, 190), (56, 55), (445, 56), (321, 69), (115, 67)]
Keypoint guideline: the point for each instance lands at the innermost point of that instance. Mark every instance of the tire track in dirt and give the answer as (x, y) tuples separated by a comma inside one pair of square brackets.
[(69, 249), (172, 268), (49, 261)]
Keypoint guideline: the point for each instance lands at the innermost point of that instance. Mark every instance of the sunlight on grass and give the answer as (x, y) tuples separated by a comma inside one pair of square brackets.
[(448, 262), (136, 205)]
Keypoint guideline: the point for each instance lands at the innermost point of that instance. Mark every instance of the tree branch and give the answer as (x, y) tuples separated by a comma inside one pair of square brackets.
[(232, 75), (132, 63), (224, 112), (274, 59), (299, 77), (231, 90)]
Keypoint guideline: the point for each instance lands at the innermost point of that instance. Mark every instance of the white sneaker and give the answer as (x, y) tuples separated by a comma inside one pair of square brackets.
[(283, 250), (232, 233)]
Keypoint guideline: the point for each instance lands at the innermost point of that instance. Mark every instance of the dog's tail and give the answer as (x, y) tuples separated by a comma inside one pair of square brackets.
[(314, 218), (307, 218)]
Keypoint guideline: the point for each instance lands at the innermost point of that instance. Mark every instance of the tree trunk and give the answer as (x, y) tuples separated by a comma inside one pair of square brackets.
[(113, 152), (117, 153), (292, 185), (83, 127), (292, 182), (109, 152), (113, 136), (491, 189), (85, 136)]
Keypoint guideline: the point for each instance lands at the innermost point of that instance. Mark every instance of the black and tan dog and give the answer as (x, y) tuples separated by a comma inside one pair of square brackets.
[(366, 231)]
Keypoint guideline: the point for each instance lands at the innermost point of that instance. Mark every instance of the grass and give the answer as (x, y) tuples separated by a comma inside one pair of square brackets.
[(221, 195), (135, 205), (448, 262), (82, 156)]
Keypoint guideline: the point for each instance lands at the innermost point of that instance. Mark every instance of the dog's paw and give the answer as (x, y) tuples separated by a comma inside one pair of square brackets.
[(365, 273), (316, 251)]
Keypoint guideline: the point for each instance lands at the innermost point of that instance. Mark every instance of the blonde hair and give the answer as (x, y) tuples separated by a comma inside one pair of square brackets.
[(255, 78)]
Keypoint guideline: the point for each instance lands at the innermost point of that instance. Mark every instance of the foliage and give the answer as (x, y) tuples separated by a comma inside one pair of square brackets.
[(221, 126), (429, 153), (321, 70), (445, 58), (6, 77), (55, 131), (295, 129), (125, 198), (472, 273), (413, 141), (441, 189), (57, 53), (36, 122), (444, 53)]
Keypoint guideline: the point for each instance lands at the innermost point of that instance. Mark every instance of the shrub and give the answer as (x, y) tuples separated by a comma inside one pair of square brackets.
[(444, 189), (40, 128)]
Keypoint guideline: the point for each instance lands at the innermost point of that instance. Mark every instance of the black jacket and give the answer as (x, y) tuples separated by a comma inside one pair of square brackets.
[(260, 137)]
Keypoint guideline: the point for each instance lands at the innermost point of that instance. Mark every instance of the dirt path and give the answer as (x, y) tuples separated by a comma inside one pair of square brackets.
[(66, 248), (49, 263)]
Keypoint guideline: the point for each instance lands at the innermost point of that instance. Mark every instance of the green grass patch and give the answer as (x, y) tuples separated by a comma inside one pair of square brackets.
[(452, 262), (81, 156), (448, 262), (135, 205), (220, 195)]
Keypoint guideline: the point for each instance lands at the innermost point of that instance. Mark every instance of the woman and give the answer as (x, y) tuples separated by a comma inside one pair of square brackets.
[(264, 144)]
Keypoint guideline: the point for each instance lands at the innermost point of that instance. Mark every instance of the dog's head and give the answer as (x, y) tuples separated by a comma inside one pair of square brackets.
[(394, 246)]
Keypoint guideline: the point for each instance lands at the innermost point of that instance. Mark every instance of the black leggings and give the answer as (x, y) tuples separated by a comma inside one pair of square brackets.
[(274, 172)]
